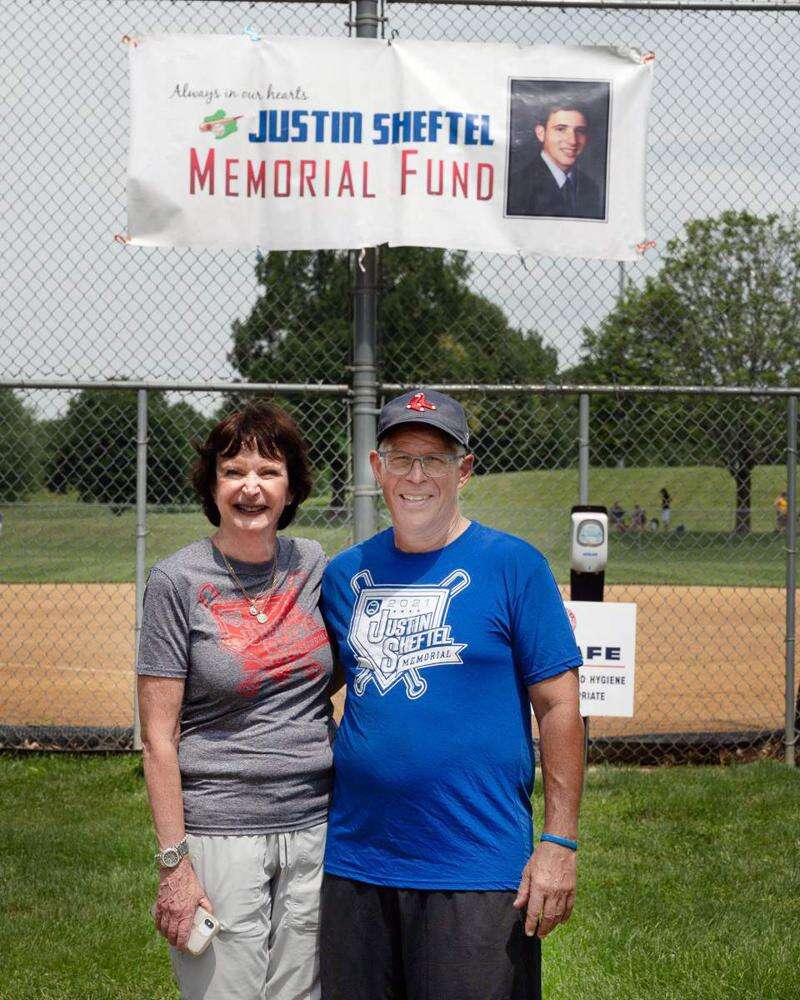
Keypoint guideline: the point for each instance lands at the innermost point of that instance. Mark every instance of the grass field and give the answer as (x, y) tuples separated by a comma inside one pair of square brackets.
[(56, 539), (689, 885)]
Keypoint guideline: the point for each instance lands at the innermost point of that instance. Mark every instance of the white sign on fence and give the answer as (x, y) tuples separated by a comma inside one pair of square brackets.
[(313, 143), (606, 635)]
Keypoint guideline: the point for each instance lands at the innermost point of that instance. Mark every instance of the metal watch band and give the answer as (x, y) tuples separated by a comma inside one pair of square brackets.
[(171, 857)]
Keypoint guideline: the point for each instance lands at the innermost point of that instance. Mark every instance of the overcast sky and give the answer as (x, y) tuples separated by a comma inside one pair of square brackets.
[(724, 134)]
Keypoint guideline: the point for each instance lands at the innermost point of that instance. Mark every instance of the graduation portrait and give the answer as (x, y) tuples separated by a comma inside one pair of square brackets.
[(558, 149)]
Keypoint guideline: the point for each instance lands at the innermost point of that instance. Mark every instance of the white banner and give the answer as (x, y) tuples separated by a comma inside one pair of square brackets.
[(606, 635), (321, 143)]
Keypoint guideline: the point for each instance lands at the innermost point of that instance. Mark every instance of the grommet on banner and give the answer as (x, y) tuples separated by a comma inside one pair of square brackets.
[(252, 34), (647, 245), (362, 253), (130, 40), (122, 238)]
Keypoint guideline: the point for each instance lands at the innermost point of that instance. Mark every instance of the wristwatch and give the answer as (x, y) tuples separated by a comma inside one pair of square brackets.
[(171, 857)]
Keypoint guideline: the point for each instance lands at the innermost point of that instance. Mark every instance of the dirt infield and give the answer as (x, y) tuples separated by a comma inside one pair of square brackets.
[(708, 658)]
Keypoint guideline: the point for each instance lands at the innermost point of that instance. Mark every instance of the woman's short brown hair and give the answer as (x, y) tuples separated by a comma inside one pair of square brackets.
[(267, 428)]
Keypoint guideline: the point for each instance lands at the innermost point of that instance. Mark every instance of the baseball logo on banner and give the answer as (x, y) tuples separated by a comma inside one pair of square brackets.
[(238, 142)]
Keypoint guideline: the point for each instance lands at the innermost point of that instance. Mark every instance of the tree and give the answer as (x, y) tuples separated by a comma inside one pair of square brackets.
[(724, 310), (19, 451), (433, 327), (94, 449)]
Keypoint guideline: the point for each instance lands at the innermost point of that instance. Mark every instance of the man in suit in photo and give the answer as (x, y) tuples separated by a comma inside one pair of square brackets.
[(554, 185)]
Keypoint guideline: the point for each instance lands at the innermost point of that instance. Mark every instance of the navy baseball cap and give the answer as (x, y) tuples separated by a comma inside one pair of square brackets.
[(429, 408)]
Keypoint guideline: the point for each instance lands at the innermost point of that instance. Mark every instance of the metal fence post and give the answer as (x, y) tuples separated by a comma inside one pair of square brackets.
[(583, 499), (141, 543), (583, 448), (791, 579), (365, 349)]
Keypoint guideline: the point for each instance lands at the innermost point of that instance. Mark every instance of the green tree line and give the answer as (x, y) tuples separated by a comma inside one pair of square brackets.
[(723, 310), (91, 450)]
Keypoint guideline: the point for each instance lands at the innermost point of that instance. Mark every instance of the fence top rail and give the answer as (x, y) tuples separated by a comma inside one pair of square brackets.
[(731, 5), (738, 6), (600, 390), (313, 388), (279, 388)]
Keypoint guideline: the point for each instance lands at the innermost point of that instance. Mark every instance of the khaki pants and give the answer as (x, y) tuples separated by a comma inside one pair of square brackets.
[(266, 895)]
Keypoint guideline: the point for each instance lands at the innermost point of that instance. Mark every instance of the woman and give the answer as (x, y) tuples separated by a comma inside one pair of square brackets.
[(234, 665)]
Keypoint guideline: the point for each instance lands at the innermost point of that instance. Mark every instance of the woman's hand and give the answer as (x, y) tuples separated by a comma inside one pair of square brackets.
[(179, 895)]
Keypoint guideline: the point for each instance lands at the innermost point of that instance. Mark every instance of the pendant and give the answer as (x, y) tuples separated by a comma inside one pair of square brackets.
[(253, 610), (261, 618)]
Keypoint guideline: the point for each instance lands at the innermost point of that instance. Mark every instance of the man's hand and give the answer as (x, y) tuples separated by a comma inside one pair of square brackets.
[(179, 895), (547, 888)]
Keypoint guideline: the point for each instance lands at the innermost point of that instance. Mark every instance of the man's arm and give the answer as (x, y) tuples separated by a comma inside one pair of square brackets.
[(548, 883)]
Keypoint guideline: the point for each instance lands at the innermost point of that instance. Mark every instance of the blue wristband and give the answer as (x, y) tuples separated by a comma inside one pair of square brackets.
[(551, 838)]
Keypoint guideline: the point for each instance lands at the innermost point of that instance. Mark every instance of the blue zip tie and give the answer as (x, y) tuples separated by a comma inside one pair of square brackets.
[(252, 34)]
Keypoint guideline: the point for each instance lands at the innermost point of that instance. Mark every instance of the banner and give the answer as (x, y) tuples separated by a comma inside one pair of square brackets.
[(606, 635), (321, 143)]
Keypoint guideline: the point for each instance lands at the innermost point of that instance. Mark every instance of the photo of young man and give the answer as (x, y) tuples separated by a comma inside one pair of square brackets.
[(558, 150)]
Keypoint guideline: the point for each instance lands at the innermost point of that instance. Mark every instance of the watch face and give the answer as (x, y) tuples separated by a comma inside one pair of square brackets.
[(170, 857)]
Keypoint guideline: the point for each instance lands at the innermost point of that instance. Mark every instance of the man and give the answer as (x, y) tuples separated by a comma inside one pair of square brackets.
[(448, 632), (617, 513), (554, 185)]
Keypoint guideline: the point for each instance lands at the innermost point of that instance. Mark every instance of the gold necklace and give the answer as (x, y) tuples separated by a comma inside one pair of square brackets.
[(259, 616)]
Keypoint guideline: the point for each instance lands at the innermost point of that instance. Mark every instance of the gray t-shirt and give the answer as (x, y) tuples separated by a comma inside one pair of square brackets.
[(255, 754)]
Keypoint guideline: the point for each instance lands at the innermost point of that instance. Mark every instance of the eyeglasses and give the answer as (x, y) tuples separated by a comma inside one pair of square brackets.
[(435, 466)]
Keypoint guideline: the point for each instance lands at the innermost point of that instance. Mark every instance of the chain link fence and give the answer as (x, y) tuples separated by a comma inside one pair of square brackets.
[(69, 541), (709, 585), (716, 303)]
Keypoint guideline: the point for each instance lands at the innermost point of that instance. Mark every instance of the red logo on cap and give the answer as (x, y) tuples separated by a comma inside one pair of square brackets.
[(419, 403)]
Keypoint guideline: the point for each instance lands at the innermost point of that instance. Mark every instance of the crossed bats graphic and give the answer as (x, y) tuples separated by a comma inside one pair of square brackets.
[(414, 683), (210, 126)]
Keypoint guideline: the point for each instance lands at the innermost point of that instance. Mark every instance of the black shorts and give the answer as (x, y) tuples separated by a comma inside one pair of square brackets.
[(379, 943)]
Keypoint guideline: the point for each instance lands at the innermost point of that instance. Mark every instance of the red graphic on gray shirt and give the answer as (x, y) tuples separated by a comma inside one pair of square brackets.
[(272, 650)]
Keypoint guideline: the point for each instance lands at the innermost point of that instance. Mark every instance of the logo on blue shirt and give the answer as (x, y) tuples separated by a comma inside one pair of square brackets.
[(396, 630)]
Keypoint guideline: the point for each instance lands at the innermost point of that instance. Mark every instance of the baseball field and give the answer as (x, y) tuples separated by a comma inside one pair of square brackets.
[(709, 658), (688, 884), (711, 608)]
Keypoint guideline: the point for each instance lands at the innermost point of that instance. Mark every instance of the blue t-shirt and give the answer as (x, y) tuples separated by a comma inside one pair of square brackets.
[(433, 762)]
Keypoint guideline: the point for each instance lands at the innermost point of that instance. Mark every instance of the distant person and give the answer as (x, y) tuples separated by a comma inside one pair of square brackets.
[(617, 514), (234, 665), (781, 512), (638, 517), (666, 508), (554, 185)]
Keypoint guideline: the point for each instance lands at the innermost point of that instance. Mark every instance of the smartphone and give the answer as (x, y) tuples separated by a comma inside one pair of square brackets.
[(205, 928)]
